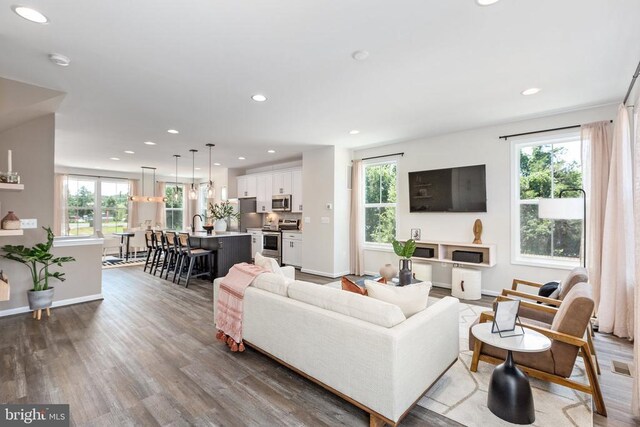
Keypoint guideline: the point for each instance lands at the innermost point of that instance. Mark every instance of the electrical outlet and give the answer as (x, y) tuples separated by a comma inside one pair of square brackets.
[(324, 220), (307, 220), (28, 223)]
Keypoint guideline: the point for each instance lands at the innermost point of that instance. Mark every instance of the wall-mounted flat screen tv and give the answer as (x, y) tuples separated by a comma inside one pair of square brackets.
[(461, 189)]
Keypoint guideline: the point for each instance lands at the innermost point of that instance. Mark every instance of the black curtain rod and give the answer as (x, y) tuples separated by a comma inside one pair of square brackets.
[(505, 137), (94, 176), (633, 81), (385, 155)]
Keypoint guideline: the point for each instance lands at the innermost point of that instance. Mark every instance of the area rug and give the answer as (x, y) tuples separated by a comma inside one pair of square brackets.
[(461, 395), (115, 262)]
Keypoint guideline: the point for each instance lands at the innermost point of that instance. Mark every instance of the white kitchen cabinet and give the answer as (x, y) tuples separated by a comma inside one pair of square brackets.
[(292, 249), (247, 186), (281, 182), (296, 191), (263, 193), (256, 242)]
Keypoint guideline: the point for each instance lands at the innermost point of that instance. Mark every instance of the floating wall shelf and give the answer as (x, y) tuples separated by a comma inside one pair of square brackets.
[(11, 233), (11, 187)]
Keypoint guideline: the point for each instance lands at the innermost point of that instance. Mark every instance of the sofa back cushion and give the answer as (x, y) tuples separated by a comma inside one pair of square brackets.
[(348, 303), (410, 298), (272, 282)]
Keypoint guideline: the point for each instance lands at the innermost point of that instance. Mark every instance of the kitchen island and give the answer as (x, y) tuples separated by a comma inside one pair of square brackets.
[(232, 247)]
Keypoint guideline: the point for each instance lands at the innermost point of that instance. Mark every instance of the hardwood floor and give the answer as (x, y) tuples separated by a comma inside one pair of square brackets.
[(147, 356)]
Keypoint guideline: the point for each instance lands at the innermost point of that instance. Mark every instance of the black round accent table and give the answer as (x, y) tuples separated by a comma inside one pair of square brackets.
[(510, 396)]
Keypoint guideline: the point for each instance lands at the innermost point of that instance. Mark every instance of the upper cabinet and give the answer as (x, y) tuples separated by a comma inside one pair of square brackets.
[(263, 197), (247, 186), (296, 191), (282, 182)]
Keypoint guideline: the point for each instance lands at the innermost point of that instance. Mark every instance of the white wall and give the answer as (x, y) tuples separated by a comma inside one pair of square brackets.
[(479, 146), (341, 211)]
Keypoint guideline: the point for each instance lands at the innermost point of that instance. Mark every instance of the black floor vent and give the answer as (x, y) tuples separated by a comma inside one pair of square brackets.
[(621, 368)]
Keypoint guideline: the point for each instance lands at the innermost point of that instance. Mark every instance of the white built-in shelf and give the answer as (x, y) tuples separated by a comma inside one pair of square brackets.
[(443, 252), (11, 187), (11, 233)]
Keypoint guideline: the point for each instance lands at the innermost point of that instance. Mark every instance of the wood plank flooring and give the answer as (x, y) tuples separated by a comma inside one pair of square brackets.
[(147, 356)]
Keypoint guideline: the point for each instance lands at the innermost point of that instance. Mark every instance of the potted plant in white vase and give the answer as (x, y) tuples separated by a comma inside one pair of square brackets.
[(38, 259), (222, 214)]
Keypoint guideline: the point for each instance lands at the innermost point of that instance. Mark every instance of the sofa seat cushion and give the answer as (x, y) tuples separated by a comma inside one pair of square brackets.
[(411, 298), (272, 282), (348, 303)]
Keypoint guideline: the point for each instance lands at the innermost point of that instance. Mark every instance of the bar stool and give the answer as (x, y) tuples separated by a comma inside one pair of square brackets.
[(174, 253), (161, 251), (148, 241), (193, 256)]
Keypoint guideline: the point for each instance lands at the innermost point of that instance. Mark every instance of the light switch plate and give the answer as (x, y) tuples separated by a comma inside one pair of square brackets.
[(307, 220), (29, 223), (324, 220)]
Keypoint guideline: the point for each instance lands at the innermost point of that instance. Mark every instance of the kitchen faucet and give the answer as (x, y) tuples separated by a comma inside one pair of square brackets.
[(193, 222)]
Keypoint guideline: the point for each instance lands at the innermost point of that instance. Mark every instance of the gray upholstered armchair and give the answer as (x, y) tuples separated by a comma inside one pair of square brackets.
[(566, 334)]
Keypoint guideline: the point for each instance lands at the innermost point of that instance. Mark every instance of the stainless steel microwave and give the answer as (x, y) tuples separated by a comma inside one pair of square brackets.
[(281, 203)]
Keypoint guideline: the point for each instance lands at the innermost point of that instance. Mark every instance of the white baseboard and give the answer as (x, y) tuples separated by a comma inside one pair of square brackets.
[(61, 303), (324, 273)]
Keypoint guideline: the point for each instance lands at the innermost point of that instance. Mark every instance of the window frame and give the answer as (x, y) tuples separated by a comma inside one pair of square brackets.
[(166, 209), (99, 197), (365, 205), (517, 258)]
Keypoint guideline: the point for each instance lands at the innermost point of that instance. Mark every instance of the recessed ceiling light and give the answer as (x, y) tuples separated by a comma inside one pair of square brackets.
[(173, 131), (360, 55), (150, 143), (486, 2), (30, 14), (354, 132), (216, 164), (530, 91), (259, 97), (129, 152), (59, 59), (114, 158), (240, 158), (271, 151)]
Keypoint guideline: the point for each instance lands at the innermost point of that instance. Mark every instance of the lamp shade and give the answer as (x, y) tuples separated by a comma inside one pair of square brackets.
[(569, 208)]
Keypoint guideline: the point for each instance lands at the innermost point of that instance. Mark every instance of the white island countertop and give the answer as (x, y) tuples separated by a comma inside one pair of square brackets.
[(215, 234)]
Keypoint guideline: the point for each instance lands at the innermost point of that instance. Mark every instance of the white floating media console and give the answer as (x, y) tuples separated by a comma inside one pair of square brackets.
[(443, 252)]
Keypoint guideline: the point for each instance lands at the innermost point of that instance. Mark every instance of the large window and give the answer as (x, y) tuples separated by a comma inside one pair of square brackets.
[(380, 197), (174, 206), (542, 169), (96, 204)]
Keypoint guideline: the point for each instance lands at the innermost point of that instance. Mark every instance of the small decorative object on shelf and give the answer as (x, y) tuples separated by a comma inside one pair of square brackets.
[(415, 233), (388, 271), (4, 287), (9, 176), (405, 251), (477, 232), (11, 222)]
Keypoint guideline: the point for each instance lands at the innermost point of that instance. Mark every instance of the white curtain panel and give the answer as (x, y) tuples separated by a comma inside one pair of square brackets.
[(356, 234), (617, 280), (132, 218), (190, 208), (60, 211), (161, 218), (635, 401), (596, 157)]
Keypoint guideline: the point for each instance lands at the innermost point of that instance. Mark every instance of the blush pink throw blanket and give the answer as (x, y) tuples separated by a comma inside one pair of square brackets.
[(230, 303)]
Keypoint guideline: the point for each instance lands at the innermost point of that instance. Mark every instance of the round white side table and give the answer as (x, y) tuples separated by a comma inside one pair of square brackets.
[(510, 396)]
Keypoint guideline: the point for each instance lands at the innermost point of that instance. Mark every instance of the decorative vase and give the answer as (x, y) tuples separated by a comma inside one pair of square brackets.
[(221, 225), (11, 222), (388, 271), (40, 299), (405, 271)]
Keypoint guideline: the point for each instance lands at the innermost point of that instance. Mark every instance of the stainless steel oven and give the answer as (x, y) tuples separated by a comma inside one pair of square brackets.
[(272, 245), (281, 203)]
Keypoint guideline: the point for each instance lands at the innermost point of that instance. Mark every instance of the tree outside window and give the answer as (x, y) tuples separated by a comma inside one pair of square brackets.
[(544, 170), (174, 206), (380, 194)]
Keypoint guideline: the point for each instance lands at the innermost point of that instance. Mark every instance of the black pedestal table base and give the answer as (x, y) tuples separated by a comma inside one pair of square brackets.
[(510, 396)]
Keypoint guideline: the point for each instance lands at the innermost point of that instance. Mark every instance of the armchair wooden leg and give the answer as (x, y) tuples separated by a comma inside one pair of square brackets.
[(593, 351), (374, 421), (593, 381), (477, 347)]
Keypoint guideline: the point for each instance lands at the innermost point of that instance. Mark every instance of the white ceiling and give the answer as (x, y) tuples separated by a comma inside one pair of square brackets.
[(141, 67)]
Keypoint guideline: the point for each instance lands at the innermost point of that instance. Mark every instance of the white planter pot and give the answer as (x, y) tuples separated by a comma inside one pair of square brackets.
[(221, 225)]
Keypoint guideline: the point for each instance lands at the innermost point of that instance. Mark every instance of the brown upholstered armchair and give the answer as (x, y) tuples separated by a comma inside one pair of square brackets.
[(531, 304), (566, 334)]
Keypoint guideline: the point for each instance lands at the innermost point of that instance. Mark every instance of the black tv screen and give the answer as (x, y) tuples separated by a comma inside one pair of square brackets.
[(461, 189)]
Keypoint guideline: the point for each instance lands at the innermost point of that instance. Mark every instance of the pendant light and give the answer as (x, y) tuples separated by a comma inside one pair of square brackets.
[(175, 193), (193, 195), (211, 190), (143, 198)]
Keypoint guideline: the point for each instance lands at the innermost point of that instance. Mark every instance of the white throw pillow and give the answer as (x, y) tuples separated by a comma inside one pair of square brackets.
[(411, 298), (271, 282), (269, 264)]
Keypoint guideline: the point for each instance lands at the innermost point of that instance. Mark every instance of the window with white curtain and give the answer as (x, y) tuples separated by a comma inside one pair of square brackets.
[(542, 168), (380, 201)]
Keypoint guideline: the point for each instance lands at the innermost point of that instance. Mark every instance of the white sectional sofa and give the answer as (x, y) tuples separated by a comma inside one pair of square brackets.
[(360, 348)]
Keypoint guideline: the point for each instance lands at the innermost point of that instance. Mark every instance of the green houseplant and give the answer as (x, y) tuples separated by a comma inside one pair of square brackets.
[(222, 213), (405, 252), (38, 259)]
